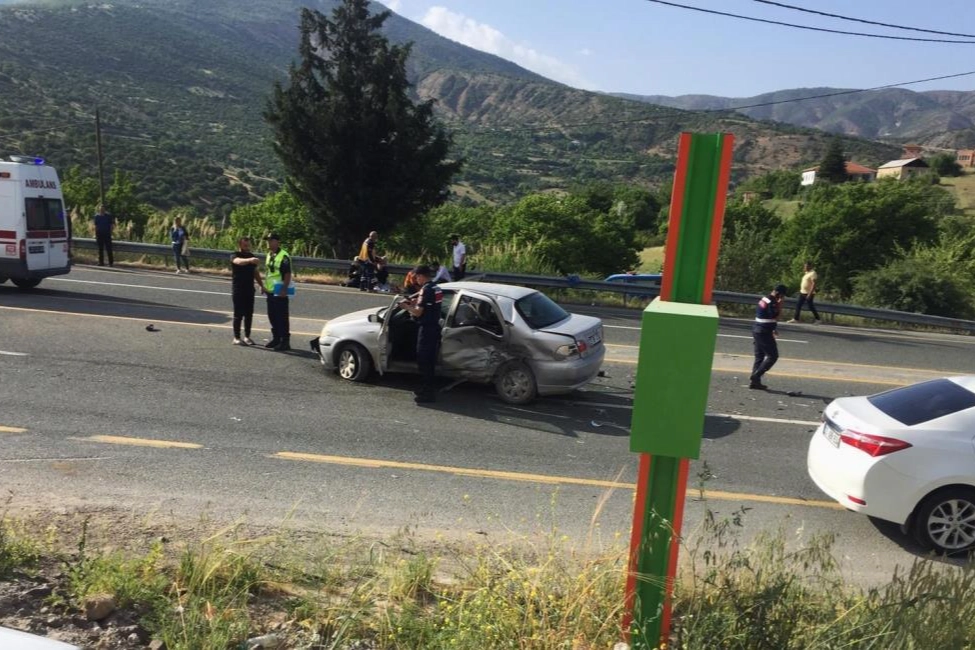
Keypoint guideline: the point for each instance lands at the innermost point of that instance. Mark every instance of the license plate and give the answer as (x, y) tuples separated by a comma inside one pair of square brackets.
[(832, 436), (594, 339)]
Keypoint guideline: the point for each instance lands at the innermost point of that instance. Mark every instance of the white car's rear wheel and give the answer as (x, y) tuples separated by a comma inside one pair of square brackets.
[(26, 284), (515, 383), (354, 362), (945, 520)]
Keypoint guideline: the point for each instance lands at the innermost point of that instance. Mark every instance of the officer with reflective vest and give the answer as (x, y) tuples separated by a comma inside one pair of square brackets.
[(764, 334), (277, 279), (425, 308)]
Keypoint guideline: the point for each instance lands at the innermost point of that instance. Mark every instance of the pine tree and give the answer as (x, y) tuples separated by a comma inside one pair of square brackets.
[(833, 166), (357, 150)]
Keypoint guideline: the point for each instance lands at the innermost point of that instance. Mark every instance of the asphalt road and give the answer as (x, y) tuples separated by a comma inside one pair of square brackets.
[(95, 410)]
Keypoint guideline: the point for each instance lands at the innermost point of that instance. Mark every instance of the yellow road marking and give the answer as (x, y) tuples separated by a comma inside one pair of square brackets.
[(545, 479), (142, 442), (4, 429)]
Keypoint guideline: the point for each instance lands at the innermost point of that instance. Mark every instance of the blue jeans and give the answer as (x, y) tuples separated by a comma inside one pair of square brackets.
[(178, 255)]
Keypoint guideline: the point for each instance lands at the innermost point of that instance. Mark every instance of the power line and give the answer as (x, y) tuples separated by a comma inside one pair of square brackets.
[(861, 20), (20, 134), (808, 27), (691, 113)]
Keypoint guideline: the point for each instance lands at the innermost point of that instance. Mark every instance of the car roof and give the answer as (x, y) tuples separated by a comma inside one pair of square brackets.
[(511, 291)]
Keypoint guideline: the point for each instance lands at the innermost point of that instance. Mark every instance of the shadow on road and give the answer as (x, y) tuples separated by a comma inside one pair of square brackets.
[(893, 532)]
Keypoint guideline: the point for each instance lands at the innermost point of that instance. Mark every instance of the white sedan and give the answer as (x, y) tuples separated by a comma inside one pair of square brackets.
[(907, 456), (16, 640)]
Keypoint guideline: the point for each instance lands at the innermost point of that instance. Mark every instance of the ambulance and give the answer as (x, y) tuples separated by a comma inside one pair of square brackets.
[(34, 229)]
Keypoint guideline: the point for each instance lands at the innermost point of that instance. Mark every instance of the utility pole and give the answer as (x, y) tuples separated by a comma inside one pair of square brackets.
[(101, 163)]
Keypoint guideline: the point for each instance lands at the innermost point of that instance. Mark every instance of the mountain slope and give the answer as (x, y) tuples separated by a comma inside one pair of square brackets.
[(181, 85), (935, 118)]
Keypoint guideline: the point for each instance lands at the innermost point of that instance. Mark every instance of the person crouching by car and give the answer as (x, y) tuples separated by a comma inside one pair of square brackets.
[(440, 273), (425, 308)]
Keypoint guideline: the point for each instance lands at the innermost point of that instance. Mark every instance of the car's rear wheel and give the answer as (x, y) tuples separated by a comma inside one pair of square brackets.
[(945, 520), (3, 279), (26, 284), (515, 383), (354, 362)]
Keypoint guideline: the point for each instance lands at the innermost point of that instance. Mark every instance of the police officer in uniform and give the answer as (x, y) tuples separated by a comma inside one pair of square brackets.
[(764, 334), (276, 282), (425, 308)]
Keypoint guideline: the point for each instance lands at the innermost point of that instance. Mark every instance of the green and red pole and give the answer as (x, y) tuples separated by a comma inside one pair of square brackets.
[(677, 343)]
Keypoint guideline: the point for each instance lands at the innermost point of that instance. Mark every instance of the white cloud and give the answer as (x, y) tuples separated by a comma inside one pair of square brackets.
[(486, 38), (393, 4), (585, 51)]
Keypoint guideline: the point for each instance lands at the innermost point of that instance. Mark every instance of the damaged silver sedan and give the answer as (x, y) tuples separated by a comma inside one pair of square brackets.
[(511, 336)]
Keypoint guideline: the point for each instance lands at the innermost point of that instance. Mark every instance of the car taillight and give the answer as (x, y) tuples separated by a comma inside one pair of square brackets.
[(23, 250), (581, 346), (871, 444)]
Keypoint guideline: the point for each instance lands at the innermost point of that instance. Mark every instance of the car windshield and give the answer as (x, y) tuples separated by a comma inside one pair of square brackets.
[(539, 311), (924, 402)]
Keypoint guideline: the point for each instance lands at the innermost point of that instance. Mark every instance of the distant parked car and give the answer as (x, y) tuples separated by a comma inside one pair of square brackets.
[(907, 456), (649, 280), (511, 336), (16, 640)]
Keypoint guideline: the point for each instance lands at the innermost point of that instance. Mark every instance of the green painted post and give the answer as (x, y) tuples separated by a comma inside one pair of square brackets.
[(677, 342)]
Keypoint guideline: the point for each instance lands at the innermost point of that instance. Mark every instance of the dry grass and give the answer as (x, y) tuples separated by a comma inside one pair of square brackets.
[(963, 188)]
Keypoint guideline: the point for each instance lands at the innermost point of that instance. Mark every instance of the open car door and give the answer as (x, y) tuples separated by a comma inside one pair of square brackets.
[(474, 338), (383, 342)]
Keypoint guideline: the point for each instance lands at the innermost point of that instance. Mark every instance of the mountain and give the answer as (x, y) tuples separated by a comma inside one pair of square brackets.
[(938, 118), (181, 85)]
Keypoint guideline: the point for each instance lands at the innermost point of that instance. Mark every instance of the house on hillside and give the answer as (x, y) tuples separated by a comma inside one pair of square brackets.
[(965, 157), (854, 172), (912, 151), (904, 168)]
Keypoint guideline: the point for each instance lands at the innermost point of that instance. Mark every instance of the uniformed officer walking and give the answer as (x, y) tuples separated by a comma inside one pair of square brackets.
[(764, 333), (277, 279), (425, 307)]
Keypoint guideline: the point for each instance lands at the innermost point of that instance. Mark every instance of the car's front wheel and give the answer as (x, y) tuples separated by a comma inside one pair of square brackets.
[(945, 520), (515, 383), (3, 279), (354, 362), (25, 283)]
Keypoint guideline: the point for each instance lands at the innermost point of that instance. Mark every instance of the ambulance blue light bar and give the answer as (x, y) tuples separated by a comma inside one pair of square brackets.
[(27, 160)]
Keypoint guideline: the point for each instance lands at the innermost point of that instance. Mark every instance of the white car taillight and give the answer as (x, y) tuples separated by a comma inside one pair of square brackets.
[(871, 444)]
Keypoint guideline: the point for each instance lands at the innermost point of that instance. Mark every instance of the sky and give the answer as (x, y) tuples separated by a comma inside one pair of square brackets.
[(641, 47)]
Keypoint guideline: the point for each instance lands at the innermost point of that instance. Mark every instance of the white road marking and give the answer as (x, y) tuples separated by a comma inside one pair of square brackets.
[(5, 353), (140, 286), (727, 336)]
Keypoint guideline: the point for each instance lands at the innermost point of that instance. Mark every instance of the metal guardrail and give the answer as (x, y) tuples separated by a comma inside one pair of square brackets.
[(567, 282)]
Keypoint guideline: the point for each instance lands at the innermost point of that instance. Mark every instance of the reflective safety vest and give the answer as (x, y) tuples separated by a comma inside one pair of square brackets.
[(273, 275)]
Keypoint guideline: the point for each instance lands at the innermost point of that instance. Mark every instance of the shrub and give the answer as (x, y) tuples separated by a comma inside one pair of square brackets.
[(910, 285)]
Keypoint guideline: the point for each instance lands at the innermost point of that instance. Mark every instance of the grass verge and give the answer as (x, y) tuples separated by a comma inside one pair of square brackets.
[(774, 593)]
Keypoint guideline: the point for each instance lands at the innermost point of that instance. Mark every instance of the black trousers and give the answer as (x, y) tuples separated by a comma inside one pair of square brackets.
[(806, 299), (766, 352), (427, 346), (458, 273), (243, 311), (277, 313), (104, 240), (368, 272)]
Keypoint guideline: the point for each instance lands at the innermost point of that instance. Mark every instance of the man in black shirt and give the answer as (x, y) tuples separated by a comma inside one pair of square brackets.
[(244, 265), (425, 308)]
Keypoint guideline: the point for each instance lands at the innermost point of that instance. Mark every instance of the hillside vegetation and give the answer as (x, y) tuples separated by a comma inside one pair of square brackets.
[(181, 86), (937, 118)]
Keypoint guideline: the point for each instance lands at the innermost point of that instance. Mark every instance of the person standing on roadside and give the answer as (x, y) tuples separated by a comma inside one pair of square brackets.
[(244, 265), (180, 238), (459, 257), (104, 225), (367, 261), (764, 333), (276, 282), (807, 289), (425, 308)]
